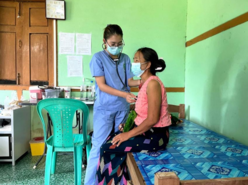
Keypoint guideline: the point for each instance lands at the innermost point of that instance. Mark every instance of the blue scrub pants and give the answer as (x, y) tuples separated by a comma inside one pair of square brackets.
[(103, 121)]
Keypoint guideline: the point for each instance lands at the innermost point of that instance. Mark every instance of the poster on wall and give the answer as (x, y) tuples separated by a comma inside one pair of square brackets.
[(66, 43), (55, 9), (74, 66), (83, 43)]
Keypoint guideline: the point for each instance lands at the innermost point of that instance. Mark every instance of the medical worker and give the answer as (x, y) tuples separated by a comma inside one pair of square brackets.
[(112, 71)]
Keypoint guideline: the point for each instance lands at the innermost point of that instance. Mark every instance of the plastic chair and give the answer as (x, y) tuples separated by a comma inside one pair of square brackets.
[(62, 112)]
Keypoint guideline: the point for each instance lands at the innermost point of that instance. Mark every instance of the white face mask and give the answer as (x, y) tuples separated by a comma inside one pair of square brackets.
[(136, 69)]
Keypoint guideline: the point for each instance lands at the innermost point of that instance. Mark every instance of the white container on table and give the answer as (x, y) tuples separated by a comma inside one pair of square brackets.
[(67, 92)]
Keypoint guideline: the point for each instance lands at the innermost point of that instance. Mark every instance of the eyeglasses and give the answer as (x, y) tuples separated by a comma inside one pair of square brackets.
[(120, 44)]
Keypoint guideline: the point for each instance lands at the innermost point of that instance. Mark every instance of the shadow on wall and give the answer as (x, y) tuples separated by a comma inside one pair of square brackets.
[(215, 97), (226, 98), (235, 121)]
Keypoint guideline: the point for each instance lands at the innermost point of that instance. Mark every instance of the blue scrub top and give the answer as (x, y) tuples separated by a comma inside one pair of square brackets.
[(102, 65)]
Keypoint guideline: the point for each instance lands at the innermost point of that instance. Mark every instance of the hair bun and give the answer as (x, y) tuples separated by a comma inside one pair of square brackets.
[(157, 64), (160, 65)]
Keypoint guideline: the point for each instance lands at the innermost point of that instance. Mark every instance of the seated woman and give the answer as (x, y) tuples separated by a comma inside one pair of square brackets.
[(150, 133)]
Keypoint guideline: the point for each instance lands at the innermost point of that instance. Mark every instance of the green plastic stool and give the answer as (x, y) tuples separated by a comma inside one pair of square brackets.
[(62, 112)]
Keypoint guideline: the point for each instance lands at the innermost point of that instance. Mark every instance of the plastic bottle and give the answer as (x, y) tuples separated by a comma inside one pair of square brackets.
[(93, 91), (88, 90), (83, 90), (67, 92)]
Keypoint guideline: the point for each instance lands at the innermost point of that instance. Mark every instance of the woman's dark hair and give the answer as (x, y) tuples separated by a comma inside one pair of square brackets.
[(157, 65), (112, 29)]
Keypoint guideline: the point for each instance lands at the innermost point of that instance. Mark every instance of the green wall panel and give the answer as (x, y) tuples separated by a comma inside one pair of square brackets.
[(217, 72), (157, 24), (204, 15)]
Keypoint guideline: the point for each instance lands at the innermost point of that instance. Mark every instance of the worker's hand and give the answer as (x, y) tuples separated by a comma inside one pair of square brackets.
[(120, 138), (131, 98), (121, 127)]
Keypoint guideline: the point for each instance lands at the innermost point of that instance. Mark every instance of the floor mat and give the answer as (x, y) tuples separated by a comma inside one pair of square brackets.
[(195, 153)]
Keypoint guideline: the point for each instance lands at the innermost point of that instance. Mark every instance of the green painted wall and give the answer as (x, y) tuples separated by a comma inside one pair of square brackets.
[(205, 15), (157, 24), (216, 69)]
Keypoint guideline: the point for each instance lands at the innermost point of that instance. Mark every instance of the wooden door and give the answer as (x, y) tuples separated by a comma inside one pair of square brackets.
[(10, 26), (38, 45), (26, 44)]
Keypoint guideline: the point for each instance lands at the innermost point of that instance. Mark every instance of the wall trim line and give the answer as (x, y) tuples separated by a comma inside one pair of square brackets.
[(223, 27)]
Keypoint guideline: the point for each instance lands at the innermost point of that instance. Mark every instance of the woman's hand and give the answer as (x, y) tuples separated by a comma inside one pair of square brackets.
[(130, 98), (121, 127), (120, 138)]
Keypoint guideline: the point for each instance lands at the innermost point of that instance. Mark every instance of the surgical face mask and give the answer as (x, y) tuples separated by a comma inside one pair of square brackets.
[(136, 69), (113, 50)]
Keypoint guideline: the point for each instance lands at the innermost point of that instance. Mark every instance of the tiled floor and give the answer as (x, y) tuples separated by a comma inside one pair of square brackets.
[(24, 174), (196, 153)]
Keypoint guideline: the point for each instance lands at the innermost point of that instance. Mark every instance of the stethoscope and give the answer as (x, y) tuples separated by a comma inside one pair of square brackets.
[(116, 62)]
